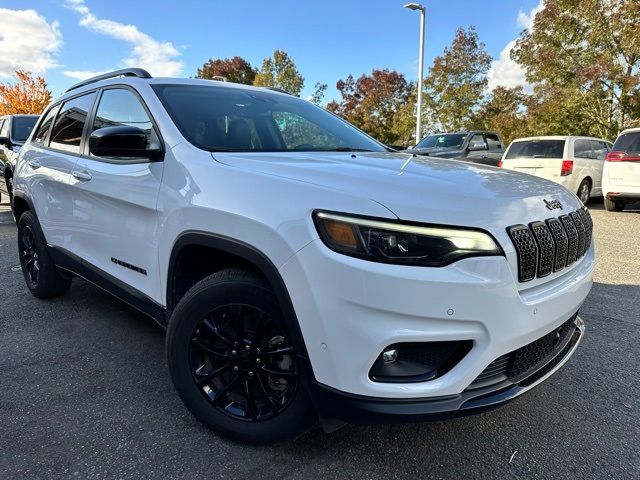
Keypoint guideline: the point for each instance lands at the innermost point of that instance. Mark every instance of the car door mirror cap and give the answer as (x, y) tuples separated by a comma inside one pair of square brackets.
[(123, 141)]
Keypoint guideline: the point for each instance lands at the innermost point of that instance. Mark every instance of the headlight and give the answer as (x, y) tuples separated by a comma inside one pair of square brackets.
[(402, 243)]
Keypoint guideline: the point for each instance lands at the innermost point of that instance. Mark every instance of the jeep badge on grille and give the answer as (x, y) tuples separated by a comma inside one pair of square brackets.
[(553, 204)]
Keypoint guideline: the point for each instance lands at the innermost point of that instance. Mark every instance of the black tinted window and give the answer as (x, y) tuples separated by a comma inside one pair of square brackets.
[(582, 149), (67, 131), (629, 143), (121, 107), (493, 141), (446, 140), (220, 118), (45, 125), (536, 149), (21, 128)]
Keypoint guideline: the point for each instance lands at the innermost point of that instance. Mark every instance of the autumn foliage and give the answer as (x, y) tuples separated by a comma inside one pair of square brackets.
[(28, 95)]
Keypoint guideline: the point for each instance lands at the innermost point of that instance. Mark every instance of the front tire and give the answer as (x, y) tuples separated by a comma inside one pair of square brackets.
[(233, 362), (40, 274), (613, 205)]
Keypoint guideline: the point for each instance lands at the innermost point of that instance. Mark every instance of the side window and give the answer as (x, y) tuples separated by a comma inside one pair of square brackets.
[(600, 149), (4, 128), (67, 129), (478, 137), (45, 125), (298, 132), (494, 142), (121, 107), (582, 149)]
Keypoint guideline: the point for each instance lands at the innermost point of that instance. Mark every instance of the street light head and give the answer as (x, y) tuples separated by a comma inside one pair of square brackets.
[(414, 6)]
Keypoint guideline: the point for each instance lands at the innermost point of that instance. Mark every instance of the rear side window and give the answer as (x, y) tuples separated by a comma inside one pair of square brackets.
[(600, 149), (493, 141), (67, 130), (45, 125), (628, 143), (582, 149), (536, 149), (21, 128)]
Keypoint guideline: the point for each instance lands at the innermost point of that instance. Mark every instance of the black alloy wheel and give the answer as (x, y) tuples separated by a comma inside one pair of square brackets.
[(243, 363), (29, 257)]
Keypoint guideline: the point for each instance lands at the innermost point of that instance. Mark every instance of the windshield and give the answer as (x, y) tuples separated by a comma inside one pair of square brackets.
[(447, 140), (217, 118), (21, 128), (536, 149), (628, 143)]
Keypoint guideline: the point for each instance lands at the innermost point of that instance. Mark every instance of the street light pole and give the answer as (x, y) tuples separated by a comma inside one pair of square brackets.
[(417, 6)]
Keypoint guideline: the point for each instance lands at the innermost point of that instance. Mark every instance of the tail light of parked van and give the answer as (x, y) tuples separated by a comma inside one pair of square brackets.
[(567, 168), (621, 157), (500, 164)]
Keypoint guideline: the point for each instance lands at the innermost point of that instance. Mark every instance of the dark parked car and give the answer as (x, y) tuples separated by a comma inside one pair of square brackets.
[(14, 131), (473, 146)]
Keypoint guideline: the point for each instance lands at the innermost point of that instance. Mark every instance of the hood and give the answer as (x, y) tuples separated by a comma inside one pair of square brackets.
[(421, 189)]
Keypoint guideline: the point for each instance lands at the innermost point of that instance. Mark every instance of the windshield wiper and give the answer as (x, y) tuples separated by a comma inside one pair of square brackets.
[(345, 149)]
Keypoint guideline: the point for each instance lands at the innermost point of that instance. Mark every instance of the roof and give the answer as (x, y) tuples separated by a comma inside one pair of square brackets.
[(556, 137)]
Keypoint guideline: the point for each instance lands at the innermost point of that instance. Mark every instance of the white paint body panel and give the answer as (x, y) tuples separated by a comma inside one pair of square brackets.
[(622, 177), (266, 200)]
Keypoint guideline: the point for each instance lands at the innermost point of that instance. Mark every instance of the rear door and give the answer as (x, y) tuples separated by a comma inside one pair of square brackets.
[(539, 157), (47, 163), (115, 199)]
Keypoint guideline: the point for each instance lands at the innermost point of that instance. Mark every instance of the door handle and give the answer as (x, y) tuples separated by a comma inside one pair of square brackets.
[(83, 176), (34, 164)]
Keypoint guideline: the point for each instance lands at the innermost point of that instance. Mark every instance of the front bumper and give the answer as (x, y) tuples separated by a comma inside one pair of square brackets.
[(356, 409), (350, 310)]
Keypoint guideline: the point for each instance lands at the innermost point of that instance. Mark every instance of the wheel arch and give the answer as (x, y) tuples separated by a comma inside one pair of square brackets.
[(21, 204), (246, 256)]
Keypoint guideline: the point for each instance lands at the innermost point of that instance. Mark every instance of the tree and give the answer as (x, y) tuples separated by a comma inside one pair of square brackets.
[(280, 71), (456, 82), (318, 93), (503, 111), (380, 104), (235, 69), (590, 51), (28, 95)]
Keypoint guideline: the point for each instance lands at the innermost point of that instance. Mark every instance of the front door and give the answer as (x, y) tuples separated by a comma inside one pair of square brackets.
[(115, 216)]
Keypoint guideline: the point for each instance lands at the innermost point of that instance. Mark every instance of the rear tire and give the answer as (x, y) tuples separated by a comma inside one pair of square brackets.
[(40, 274), (584, 191), (220, 347), (613, 205)]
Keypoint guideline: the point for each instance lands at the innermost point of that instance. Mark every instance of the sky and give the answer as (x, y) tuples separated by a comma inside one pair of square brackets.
[(68, 40)]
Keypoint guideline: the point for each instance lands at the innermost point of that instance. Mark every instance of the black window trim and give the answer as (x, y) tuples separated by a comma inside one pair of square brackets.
[(91, 118), (84, 141)]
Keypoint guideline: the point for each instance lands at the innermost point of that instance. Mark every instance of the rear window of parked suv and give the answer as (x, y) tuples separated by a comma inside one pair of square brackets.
[(536, 149), (628, 143)]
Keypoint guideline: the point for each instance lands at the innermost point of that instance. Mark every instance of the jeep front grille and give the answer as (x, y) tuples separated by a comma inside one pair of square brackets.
[(550, 246)]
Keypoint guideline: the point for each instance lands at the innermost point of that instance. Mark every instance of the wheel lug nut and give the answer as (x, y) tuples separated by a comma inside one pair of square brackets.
[(247, 347), (258, 360), (233, 353), (251, 374), (235, 369)]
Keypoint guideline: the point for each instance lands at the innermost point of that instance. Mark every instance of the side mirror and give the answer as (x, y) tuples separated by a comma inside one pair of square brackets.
[(123, 141), (6, 141), (477, 146)]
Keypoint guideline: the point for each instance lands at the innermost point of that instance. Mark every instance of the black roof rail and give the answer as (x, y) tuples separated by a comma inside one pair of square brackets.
[(278, 89), (125, 72)]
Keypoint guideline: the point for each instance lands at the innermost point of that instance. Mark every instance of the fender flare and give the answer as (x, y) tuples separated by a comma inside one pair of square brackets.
[(250, 254)]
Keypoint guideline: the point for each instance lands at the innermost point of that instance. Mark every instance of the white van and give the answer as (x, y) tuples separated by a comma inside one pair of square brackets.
[(621, 176), (574, 162)]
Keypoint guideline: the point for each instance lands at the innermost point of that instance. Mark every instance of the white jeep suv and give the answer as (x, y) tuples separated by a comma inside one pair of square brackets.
[(302, 270)]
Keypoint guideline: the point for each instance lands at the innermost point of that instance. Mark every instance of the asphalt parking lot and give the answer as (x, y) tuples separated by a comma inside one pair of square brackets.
[(85, 393)]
